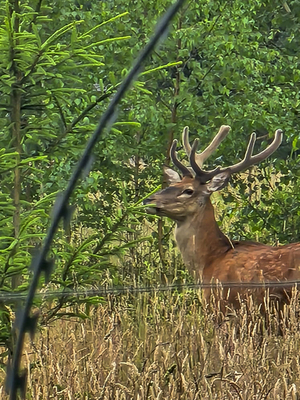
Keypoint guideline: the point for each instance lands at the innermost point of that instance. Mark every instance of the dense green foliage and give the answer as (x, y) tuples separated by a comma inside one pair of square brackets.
[(222, 63)]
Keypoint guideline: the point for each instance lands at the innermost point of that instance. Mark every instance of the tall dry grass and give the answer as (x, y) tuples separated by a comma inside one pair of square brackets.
[(166, 346)]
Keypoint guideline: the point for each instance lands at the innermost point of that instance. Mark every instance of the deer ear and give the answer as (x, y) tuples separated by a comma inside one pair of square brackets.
[(171, 176), (218, 182)]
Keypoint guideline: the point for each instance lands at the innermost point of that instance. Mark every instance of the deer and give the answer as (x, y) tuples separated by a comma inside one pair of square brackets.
[(207, 252)]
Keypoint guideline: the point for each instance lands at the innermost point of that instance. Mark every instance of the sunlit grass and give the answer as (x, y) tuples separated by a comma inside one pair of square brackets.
[(166, 346)]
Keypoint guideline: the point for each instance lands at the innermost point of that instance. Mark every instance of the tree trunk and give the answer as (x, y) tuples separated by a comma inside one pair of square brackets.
[(170, 141), (15, 116)]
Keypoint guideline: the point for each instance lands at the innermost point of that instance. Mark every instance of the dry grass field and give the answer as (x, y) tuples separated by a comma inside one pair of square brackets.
[(165, 346)]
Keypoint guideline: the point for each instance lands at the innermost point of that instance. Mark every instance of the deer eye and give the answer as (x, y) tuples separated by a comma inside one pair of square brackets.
[(189, 192)]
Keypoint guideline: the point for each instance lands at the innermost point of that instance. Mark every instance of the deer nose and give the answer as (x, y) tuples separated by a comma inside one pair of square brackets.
[(147, 201), (152, 209)]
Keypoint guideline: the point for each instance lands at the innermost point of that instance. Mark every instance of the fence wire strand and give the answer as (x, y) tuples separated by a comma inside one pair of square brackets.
[(16, 381), (123, 290)]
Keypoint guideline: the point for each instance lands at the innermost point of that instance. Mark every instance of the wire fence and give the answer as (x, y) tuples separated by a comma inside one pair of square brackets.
[(7, 297)]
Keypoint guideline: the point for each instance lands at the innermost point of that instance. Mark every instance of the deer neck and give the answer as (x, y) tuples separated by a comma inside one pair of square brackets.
[(200, 239)]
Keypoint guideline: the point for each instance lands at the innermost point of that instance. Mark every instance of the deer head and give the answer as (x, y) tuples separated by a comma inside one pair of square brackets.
[(188, 195)]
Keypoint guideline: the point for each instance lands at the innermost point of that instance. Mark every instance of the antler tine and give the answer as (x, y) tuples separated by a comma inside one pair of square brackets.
[(202, 157), (220, 136), (203, 176), (186, 141), (182, 168), (250, 160)]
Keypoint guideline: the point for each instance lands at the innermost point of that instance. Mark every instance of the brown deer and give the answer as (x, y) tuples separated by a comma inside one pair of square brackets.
[(206, 251)]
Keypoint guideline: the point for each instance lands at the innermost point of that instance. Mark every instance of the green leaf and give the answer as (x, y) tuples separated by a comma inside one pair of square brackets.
[(171, 64), (59, 33), (115, 39), (127, 123), (37, 36), (88, 33)]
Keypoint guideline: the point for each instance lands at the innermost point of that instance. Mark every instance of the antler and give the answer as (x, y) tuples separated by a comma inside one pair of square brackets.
[(182, 168), (247, 161), (202, 157), (250, 160), (199, 158)]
